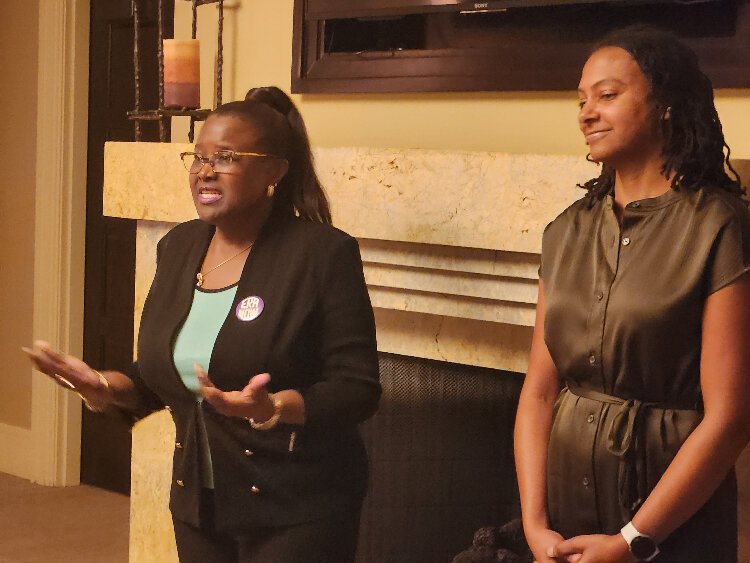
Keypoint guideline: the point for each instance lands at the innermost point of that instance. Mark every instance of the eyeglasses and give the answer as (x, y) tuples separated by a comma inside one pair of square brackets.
[(221, 162)]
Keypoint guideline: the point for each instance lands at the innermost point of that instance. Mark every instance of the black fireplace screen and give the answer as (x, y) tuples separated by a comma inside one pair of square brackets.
[(441, 455)]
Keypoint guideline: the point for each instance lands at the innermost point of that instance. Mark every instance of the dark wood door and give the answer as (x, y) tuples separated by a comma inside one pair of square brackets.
[(110, 242)]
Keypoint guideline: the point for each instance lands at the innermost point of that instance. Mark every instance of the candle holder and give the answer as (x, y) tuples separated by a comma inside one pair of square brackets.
[(164, 114)]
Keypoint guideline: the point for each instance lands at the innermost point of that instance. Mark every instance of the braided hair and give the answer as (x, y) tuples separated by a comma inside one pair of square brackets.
[(694, 142), (283, 133)]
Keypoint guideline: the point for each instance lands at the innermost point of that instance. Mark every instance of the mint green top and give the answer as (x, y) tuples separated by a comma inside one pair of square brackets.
[(194, 344)]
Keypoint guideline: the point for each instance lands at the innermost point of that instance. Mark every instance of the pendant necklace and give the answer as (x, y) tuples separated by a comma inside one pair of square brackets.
[(200, 276)]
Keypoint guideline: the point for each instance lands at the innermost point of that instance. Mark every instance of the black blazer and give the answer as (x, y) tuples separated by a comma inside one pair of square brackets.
[(316, 334)]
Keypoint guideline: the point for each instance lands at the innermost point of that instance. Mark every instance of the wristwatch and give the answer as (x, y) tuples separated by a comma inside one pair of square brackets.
[(642, 547)]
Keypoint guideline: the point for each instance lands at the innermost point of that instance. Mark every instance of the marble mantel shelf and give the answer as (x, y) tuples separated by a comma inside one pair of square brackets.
[(462, 199)]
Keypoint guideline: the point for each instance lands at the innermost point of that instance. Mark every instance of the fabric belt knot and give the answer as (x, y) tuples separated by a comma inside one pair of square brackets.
[(620, 439), (626, 440)]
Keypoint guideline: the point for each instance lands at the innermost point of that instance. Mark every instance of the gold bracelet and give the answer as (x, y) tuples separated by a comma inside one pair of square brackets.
[(271, 422), (96, 408), (64, 381), (103, 380)]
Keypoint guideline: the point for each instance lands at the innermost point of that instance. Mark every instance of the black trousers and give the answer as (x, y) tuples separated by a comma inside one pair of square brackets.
[(330, 540)]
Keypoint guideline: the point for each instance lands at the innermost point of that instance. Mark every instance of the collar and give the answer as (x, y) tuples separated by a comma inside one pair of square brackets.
[(648, 204)]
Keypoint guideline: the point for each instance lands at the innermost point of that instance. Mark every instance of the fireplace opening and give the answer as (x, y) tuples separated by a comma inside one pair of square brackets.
[(441, 459)]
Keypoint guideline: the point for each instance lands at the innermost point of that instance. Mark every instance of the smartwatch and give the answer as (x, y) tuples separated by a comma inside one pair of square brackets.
[(642, 547)]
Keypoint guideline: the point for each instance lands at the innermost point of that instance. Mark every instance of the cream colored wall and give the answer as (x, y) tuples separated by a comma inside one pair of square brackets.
[(258, 47), (18, 56)]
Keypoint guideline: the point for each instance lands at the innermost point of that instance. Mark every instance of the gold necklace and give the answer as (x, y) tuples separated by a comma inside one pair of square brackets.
[(200, 276)]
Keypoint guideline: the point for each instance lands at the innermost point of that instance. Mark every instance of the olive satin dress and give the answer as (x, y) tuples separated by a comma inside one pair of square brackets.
[(623, 326)]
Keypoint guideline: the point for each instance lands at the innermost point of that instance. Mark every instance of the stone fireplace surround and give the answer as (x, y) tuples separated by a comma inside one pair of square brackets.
[(450, 243)]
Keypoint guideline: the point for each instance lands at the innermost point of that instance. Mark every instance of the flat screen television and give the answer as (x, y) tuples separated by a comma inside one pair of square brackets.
[(332, 9)]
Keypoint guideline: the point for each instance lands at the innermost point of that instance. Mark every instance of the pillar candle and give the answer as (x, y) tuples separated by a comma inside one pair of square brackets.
[(182, 73)]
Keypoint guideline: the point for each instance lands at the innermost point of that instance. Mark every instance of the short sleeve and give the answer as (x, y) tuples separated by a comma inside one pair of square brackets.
[(539, 271), (545, 251), (730, 253)]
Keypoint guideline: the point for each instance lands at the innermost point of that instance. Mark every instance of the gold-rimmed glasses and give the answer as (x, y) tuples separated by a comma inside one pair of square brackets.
[(221, 162)]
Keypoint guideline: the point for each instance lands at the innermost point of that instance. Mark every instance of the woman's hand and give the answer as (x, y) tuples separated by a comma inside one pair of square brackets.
[(593, 549), (253, 401), (541, 542), (71, 373)]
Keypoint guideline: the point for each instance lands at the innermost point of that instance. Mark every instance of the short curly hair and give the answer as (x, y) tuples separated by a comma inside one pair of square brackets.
[(694, 142)]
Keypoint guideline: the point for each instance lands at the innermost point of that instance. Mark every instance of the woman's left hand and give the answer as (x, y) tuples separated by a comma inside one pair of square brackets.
[(594, 549), (253, 401)]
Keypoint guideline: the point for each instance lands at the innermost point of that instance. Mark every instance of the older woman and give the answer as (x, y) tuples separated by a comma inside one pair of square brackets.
[(643, 319), (258, 336)]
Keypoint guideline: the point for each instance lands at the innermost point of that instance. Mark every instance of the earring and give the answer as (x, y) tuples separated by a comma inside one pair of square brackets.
[(667, 113), (271, 190)]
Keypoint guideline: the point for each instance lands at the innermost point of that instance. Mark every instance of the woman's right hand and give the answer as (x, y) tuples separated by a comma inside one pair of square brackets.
[(540, 541), (71, 373)]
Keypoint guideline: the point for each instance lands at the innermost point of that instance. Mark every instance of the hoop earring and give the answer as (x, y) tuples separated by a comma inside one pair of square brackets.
[(270, 190)]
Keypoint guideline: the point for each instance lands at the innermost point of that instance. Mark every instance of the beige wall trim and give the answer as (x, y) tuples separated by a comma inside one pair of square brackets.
[(60, 230), (15, 440)]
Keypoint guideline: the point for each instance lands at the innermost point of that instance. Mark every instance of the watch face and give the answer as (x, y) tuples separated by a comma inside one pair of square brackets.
[(642, 547)]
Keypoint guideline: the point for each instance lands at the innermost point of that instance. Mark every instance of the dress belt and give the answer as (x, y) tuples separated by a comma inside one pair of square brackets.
[(626, 440)]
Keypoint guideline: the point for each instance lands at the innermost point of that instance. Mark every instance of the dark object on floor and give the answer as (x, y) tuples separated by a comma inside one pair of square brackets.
[(505, 544)]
